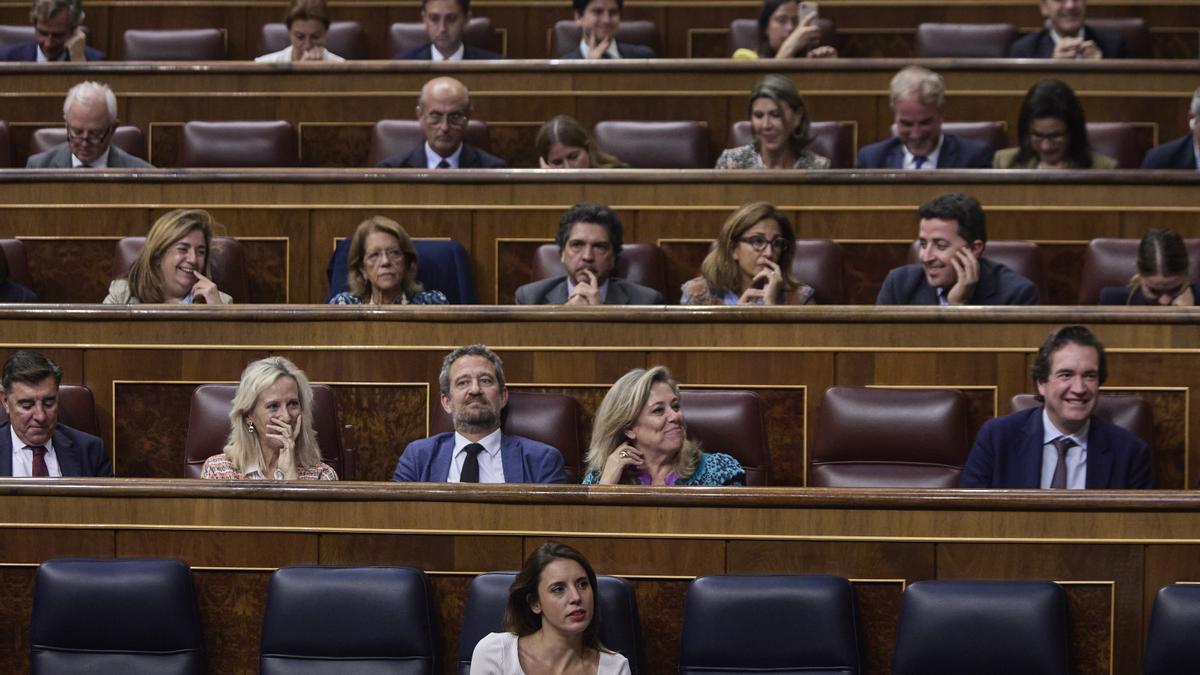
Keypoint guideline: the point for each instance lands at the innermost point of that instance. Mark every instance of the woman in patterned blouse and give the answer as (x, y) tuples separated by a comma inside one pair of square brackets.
[(382, 268), (779, 121)]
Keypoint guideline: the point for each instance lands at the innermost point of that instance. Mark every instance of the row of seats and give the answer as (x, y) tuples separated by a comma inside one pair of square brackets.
[(140, 615)]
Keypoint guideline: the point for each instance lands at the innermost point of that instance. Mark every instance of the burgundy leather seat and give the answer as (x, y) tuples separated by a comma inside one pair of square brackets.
[(344, 38), (818, 263), (567, 35), (640, 263), (1022, 257), (990, 134), (743, 34), (397, 138), (656, 145), (1118, 140), (834, 140), (1128, 412), (1135, 31), (228, 264), (239, 144), (1110, 262), (130, 139), (76, 408), (730, 421), (874, 437), (13, 251), (189, 44), (964, 40), (403, 36)]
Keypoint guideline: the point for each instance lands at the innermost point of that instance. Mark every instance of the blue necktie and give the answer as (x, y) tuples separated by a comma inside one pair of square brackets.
[(918, 161)]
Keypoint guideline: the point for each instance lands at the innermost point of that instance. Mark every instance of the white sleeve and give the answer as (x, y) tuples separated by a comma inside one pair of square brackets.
[(488, 657)]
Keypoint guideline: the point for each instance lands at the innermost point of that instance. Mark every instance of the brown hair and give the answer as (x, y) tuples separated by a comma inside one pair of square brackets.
[(568, 131), (781, 90), (519, 617), (359, 286), (144, 276), (719, 268), (1161, 252), (308, 10)]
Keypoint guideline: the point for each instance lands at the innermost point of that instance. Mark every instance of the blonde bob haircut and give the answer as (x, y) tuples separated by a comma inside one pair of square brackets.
[(144, 276), (242, 446), (719, 268), (360, 287), (619, 411)]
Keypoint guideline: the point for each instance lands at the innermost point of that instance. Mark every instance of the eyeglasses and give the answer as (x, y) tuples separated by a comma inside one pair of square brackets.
[(376, 257), (91, 137), (759, 243), (1053, 138), (456, 119)]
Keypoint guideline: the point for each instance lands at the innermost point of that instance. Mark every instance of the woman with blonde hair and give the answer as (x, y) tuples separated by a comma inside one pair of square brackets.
[(781, 130), (174, 265), (563, 143), (382, 268), (639, 437), (271, 428)]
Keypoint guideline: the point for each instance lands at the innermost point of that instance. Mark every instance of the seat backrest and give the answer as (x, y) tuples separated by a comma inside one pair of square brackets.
[(1118, 140), (1111, 262), (442, 265), (403, 36), (834, 140), (983, 627), (990, 134), (76, 408), (189, 44), (129, 615), (553, 419), (331, 620), (130, 139), (640, 263), (875, 437), (656, 145), (1021, 256), (964, 40), (228, 264), (789, 624), (208, 426), (1134, 29), (14, 254), (818, 263), (397, 138), (1128, 412), (620, 628), (567, 34), (13, 34), (344, 38), (1171, 645), (730, 421), (239, 144), (6, 154), (743, 34)]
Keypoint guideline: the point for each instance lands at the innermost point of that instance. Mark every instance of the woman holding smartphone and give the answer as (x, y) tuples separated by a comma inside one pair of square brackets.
[(788, 29)]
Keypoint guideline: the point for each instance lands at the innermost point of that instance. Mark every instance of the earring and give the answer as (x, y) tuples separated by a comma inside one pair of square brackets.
[(250, 426)]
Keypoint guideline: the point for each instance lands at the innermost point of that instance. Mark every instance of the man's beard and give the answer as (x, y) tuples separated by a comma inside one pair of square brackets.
[(475, 421)]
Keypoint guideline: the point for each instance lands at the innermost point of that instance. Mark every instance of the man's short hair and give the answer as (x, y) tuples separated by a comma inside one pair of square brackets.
[(972, 226), (88, 92), (43, 10), (1196, 103), (29, 367), (1074, 334), (581, 5), (597, 214), (469, 350), (920, 83), (464, 6)]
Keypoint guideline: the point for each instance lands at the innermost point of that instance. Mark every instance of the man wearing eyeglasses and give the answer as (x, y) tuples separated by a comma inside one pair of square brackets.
[(952, 269), (443, 110), (58, 35), (90, 111)]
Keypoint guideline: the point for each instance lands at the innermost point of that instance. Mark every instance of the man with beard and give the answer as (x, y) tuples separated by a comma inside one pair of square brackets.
[(473, 393)]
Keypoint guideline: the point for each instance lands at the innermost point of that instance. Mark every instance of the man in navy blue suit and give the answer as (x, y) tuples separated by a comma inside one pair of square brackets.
[(598, 21), (445, 22), (473, 393), (443, 111), (1066, 36), (1181, 153), (32, 442), (58, 35), (1060, 444), (917, 96)]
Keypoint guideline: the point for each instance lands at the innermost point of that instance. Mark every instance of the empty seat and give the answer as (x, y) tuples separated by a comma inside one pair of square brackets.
[(76, 409), (1128, 412), (14, 254), (129, 616), (964, 40), (788, 624), (743, 34), (876, 437), (1138, 42), (404, 36), (1022, 257), (1119, 140), (442, 265), (397, 138), (656, 145), (983, 628), (567, 35), (640, 263), (730, 421), (344, 38), (990, 134), (189, 44), (238, 144), (818, 263), (620, 628), (834, 140), (208, 428), (333, 620), (227, 261), (1171, 645), (130, 139), (1110, 262)]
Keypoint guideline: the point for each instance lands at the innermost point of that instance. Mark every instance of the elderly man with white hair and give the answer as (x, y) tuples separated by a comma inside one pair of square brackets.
[(90, 111), (1183, 152)]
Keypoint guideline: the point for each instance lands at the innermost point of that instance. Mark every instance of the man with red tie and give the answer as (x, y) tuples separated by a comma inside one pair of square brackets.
[(32, 442)]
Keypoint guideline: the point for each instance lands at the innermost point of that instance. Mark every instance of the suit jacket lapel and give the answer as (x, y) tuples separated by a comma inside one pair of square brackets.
[(443, 454), (895, 156), (5, 449), (1030, 459), (468, 159), (926, 294), (510, 457), (617, 294), (948, 155), (1099, 459), (557, 294), (69, 461)]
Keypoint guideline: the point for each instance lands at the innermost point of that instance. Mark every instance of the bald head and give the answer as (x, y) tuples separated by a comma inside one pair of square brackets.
[(443, 110)]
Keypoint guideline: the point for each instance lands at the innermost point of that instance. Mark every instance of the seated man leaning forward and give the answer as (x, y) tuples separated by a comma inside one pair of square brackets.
[(58, 35), (443, 110), (598, 21), (473, 392), (445, 22), (589, 241), (1183, 152), (1061, 444), (90, 111), (952, 271), (32, 442)]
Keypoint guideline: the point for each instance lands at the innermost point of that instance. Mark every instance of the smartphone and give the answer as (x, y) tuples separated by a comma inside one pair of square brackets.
[(807, 8)]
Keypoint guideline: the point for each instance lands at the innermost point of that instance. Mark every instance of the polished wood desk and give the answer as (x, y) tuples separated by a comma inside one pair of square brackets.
[(1111, 551)]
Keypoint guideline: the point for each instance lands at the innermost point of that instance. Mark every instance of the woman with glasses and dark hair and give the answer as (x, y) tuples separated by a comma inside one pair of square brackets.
[(382, 265), (1163, 275), (780, 124), (750, 263), (551, 621), (1053, 133)]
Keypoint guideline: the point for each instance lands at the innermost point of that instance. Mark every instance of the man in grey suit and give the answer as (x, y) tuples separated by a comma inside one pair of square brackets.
[(90, 111), (589, 240)]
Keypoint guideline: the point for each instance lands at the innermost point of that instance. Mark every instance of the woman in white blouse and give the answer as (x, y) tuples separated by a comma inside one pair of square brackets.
[(307, 24)]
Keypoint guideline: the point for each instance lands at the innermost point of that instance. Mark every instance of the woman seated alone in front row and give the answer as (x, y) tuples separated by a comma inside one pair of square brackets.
[(1163, 275), (551, 621), (271, 428), (307, 24), (639, 437), (1053, 133), (750, 264), (174, 265), (563, 143), (382, 268), (780, 125)]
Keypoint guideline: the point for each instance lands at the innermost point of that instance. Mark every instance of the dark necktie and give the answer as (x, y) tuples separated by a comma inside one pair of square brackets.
[(919, 161), (39, 462), (1059, 480), (470, 467), (443, 164)]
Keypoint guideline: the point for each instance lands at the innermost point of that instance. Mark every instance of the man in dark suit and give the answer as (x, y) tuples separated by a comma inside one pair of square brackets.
[(473, 393), (32, 442), (589, 242), (951, 236), (58, 35), (917, 97), (90, 112), (445, 21), (1067, 37), (1181, 153), (443, 110), (1060, 444), (598, 21)]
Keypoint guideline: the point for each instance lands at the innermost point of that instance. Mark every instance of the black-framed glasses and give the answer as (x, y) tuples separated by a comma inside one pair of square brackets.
[(455, 119), (760, 243), (91, 137), (1054, 138)]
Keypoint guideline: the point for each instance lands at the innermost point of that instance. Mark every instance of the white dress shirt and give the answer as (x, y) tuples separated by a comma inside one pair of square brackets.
[(931, 159), (100, 163), (435, 55), (22, 456), (432, 159), (491, 465), (611, 52), (1076, 454)]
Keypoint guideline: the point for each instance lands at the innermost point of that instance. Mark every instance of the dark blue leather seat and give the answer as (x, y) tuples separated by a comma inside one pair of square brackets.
[(620, 628), (362, 620), (983, 628), (442, 265), (125, 617), (781, 624), (1171, 644)]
